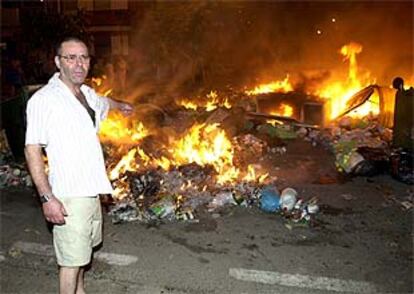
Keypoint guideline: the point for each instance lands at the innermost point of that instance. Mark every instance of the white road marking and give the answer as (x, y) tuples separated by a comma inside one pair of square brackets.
[(48, 250), (115, 259), (302, 281)]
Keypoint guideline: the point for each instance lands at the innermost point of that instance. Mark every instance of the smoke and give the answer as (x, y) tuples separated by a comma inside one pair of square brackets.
[(179, 46)]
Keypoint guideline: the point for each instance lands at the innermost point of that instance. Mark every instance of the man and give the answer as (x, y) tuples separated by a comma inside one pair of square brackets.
[(403, 129), (63, 117)]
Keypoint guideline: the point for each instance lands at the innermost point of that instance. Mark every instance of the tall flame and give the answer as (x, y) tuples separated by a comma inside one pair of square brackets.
[(337, 93), (349, 52)]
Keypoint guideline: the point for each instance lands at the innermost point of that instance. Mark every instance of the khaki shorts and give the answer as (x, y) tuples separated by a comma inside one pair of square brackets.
[(82, 231)]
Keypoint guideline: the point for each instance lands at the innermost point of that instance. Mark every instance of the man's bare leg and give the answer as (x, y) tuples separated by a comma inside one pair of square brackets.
[(80, 288), (68, 278)]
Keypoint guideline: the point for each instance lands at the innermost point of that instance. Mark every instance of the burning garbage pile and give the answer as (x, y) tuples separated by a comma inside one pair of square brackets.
[(154, 180), (167, 174), (172, 176), (153, 194), (206, 153)]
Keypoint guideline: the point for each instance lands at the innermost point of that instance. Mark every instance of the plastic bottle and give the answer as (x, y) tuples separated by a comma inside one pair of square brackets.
[(288, 199)]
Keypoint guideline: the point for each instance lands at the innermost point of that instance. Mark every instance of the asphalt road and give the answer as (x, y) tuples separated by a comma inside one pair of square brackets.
[(362, 242)]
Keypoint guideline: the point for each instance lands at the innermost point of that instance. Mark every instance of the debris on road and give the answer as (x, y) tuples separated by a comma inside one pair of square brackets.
[(14, 175)]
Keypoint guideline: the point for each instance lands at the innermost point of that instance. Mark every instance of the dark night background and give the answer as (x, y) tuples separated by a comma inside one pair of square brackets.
[(213, 44)]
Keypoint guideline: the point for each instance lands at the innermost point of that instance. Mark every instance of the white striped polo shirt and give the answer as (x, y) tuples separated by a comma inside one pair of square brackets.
[(60, 123)]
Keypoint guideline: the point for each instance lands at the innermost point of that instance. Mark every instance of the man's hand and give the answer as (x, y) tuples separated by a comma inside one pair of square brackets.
[(54, 211), (125, 108)]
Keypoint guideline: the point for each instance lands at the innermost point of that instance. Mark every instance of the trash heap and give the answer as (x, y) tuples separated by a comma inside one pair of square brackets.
[(179, 194), (176, 194), (362, 147)]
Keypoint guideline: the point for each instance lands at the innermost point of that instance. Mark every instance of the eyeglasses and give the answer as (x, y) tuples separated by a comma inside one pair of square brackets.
[(72, 58)]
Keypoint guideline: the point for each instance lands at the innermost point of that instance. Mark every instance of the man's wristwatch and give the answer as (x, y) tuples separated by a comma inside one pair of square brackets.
[(45, 198)]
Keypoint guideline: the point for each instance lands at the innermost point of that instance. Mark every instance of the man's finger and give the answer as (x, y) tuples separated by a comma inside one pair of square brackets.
[(61, 217), (59, 221), (64, 211)]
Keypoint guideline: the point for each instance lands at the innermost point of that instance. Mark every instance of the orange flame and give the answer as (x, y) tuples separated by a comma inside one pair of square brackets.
[(349, 52), (187, 104), (127, 163), (100, 85), (117, 128), (282, 86), (337, 93), (251, 175), (207, 144), (283, 110), (213, 102), (203, 144)]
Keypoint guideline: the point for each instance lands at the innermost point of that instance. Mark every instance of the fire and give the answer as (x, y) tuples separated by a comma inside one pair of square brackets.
[(187, 104), (211, 104), (282, 86), (117, 128), (127, 163), (99, 84), (207, 144), (213, 101), (251, 175), (163, 162), (337, 93), (349, 52), (204, 144), (283, 110)]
